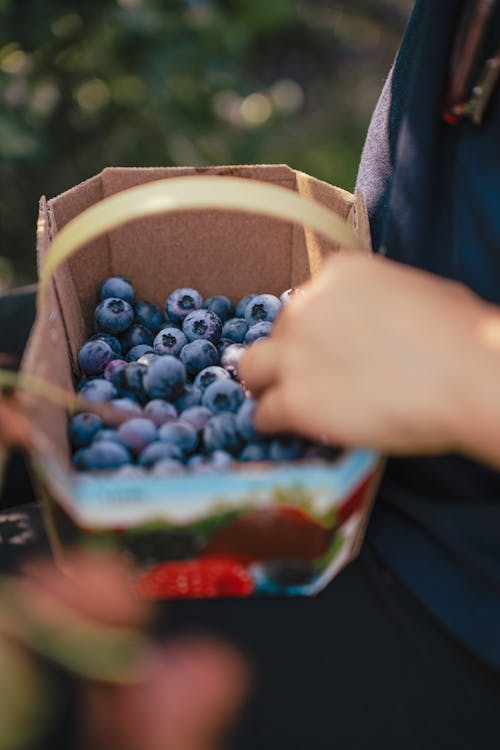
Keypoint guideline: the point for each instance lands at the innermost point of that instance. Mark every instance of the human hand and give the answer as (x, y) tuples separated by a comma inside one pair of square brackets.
[(372, 354), (177, 695)]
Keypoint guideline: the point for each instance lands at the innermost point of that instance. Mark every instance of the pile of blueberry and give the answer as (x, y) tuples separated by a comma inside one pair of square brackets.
[(173, 381)]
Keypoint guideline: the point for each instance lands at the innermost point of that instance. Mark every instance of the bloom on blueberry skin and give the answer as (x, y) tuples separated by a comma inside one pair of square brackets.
[(165, 378), (235, 329), (113, 341), (101, 456), (169, 341), (220, 433), (197, 416), (83, 427), (98, 389), (119, 287), (197, 355), (137, 433), (181, 302), (242, 305), (160, 411), (209, 375), (223, 395), (113, 315), (202, 324), (262, 307), (157, 451), (94, 356), (182, 434), (221, 306), (244, 421), (230, 358), (258, 331)]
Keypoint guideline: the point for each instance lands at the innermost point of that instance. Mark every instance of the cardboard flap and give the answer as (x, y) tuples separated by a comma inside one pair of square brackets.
[(211, 250), (46, 357), (73, 278)]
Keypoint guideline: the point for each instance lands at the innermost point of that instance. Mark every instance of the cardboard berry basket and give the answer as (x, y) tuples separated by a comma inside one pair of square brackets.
[(258, 528)]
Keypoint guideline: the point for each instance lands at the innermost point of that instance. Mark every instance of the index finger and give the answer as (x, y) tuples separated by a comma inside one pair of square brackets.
[(259, 366)]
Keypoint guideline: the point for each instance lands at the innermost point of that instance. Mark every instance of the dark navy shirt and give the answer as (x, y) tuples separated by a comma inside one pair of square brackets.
[(433, 196)]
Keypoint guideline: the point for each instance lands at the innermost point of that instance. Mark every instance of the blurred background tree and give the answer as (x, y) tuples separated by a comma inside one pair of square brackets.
[(86, 84)]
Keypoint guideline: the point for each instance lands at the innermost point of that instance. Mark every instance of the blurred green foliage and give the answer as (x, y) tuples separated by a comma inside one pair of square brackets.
[(91, 83)]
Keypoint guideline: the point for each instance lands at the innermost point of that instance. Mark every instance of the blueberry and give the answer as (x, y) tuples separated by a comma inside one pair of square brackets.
[(262, 307), (149, 315), (137, 433), (148, 358), (220, 433), (235, 330), (190, 396), (286, 448), (244, 421), (210, 375), (160, 411), (98, 390), (157, 451), (113, 342), (112, 369), (83, 428), (113, 315), (181, 302), (138, 351), (182, 434), (255, 452), (118, 287), (100, 456), (223, 395), (129, 381), (195, 461), (127, 405), (165, 378), (202, 324), (242, 305), (197, 416), (94, 356), (197, 355), (167, 467), (135, 336), (170, 341), (220, 459), (222, 345), (288, 296), (258, 331), (230, 358), (221, 306), (108, 435)]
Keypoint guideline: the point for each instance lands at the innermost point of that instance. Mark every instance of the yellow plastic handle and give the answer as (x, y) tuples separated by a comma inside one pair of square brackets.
[(182, 193)]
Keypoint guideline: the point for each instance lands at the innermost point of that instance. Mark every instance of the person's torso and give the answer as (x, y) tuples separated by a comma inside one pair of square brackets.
[(432, 192)]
